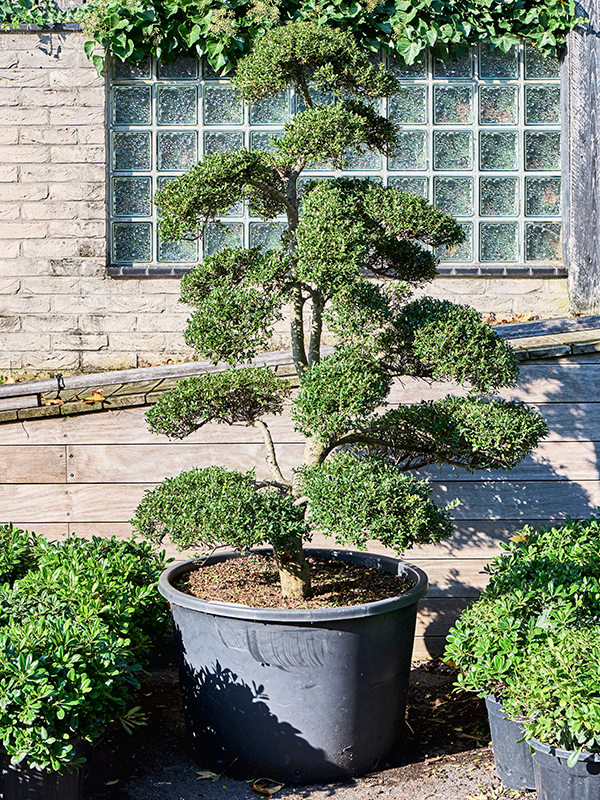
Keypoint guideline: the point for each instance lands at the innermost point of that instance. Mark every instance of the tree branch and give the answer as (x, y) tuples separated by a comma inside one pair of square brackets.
[(297, 330), (314, 351), (264, 187), (271, 457)]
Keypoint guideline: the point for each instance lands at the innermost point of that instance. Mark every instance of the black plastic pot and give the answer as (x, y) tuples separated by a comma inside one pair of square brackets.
[(20, 782), (295, 695), (514, 763), (555, 780)]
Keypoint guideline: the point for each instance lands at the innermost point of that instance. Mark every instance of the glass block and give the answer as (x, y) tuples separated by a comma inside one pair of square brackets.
[(542, 105), (462, 253), (271, 110), (222, 141), (542, 197), (542, 150), (498, 150), (212, 75), (452, 150), (222, 105), (408, 106), (538, 65), (220, 235), (498, 241), (542, 241), (411, 153), (177, 149), (177, 105), (454, 196), (181, 252), (131, 197), (184, 68), (131, 105), (418, 186), (267, 235), (454, 67), (129, 70), (498, 197), (261, 140), (398, 67), (453, 105), (319, 98), (370, 160), (131, 242), (493, 63), (131, 150), (498, 105)]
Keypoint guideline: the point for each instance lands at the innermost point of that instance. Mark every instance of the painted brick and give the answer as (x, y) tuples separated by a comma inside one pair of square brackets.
[(9, 136), (58, 173), (77, 191), (162, 286), (24, 304), (88, 267), (9, 211), (86, 154), (9, 249), (8, 174), (77, 228), (24, 77), (152, 323), (20, 341), (10, 324), (24, 154), (23, 230), (50, 211), (22, 267), (9, 286), (78, 341), (23, 116), (107, 323), (48, 136), (92, 96), (70, 78), (44, 57), (16, 192), (95, 362), (41, 323), (59, 248), (92, 136), (92, 248), (77, 116), (100, 303), (51, 285), (12, 97), (44, 362), (9, 60), (172, 349), (48, 98)]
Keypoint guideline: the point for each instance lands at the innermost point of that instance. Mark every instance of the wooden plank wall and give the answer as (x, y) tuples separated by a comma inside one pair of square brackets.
[(84, 475)]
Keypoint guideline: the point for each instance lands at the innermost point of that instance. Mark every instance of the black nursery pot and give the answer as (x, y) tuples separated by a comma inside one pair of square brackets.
[(556, 780), (20, 782), (514, 763), (298, 695)]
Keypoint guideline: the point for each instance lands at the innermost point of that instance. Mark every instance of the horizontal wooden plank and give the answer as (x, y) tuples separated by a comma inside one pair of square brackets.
[(29, 401), (28, 504), (459, 578), (40, 464), (54, 531), (437, 614), (152, 463), (541, 327), (426, 648), (101, 503), (514, 501)]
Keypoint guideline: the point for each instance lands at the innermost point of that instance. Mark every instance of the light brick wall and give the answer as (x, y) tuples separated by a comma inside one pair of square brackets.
[(58, 308)]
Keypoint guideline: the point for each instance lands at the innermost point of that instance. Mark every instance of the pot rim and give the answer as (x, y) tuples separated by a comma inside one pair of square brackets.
[(236, 610), (558, 752)]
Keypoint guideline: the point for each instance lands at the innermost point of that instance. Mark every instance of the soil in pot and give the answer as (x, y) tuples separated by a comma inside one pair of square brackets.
[(556, 780), (254, 581)]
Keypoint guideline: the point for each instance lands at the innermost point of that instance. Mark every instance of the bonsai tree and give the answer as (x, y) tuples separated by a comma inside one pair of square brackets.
[(352, 253)]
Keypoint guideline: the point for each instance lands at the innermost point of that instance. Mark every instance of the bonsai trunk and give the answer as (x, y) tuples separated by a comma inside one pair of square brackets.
[(294, 573)]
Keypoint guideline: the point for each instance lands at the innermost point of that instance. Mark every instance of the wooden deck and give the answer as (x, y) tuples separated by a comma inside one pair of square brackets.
[(84, 474)]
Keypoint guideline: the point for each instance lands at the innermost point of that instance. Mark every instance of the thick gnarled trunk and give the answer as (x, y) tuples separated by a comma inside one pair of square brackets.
[(294, 573)]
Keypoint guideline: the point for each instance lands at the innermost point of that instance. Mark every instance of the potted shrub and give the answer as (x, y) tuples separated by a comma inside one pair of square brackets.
[(299, 693), (557, 689), (77, 619), (545, 581)]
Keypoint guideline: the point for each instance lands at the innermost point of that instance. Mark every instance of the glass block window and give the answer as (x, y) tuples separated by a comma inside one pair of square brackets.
[(480, 138)]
